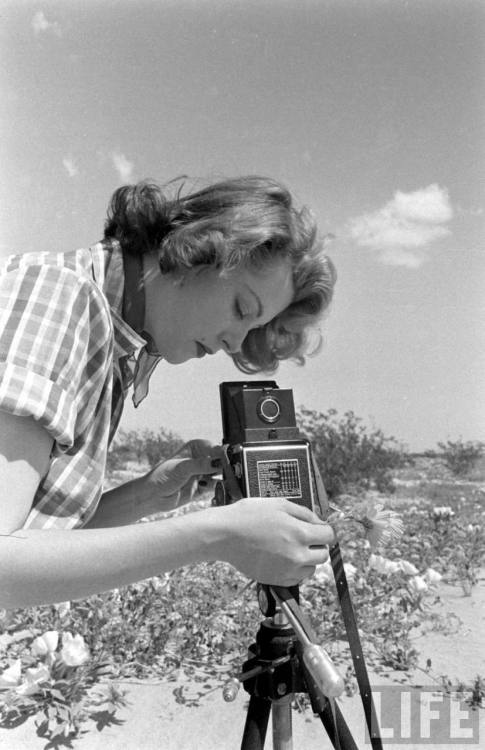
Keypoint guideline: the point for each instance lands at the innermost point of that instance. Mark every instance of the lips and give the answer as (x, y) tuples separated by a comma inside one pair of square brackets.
[(202, 350)]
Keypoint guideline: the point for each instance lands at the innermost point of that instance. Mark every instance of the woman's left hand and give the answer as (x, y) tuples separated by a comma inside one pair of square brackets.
[(178, 479)]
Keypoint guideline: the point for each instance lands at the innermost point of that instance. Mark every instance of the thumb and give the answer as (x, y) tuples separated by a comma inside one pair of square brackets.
[(203, 465), (198, 449)]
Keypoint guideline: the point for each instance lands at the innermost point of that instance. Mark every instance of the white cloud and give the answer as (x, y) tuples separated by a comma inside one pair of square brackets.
[(405, 226), (41, 25), (70, 166), (123, 166)]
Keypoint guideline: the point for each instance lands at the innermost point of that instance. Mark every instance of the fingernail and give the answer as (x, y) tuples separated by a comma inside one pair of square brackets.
[(216, 463)]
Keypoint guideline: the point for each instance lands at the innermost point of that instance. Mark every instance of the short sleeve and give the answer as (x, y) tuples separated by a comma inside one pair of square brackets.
[(55, 345)]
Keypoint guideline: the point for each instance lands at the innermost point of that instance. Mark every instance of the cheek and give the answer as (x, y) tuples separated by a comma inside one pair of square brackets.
[(214, 307)]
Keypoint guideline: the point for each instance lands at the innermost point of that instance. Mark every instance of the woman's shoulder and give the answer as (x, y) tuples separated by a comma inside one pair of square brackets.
[(79, 261), (64, 280)]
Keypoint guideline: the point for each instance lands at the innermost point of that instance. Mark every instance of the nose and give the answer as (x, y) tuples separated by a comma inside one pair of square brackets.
[(232, 339)]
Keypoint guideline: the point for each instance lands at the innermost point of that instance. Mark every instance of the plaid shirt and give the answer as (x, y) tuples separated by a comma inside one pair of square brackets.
[(66, 359)]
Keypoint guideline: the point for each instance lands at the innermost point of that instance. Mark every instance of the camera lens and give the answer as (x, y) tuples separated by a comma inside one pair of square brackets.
[(268, 409)]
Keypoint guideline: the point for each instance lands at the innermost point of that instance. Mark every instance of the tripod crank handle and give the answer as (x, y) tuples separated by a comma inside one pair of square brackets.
[(325, 676), (322, 670), (231, 687)]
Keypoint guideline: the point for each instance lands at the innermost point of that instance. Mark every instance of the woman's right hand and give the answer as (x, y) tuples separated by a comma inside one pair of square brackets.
[(275, 541)]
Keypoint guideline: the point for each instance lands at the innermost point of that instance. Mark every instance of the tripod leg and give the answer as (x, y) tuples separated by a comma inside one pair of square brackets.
[(338, 731), (256, 723), (282, 730)]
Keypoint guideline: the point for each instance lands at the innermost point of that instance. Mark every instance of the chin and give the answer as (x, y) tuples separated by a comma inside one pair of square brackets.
[(178, 358)]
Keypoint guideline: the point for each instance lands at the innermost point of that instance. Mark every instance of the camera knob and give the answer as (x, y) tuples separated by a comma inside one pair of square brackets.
[(268, 409)]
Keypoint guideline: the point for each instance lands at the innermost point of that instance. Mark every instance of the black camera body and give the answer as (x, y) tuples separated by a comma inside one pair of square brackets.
[(266, 456)]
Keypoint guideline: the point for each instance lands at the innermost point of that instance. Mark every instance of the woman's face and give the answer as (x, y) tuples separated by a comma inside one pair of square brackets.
[(207, 311)]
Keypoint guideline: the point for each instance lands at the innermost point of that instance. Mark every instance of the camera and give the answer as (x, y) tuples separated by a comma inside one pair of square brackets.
[(265, 454)]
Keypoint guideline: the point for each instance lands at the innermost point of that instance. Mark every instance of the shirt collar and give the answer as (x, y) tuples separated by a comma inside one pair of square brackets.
[(122, 280), (134, 314)]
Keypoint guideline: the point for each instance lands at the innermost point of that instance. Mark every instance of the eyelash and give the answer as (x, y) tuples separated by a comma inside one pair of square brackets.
[(240, 313)]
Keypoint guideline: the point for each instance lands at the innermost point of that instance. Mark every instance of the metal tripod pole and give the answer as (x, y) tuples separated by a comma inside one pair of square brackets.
[(254, 735), (281, 723)]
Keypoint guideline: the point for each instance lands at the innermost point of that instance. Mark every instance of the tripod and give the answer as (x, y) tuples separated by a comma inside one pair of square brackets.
[(284, 660)]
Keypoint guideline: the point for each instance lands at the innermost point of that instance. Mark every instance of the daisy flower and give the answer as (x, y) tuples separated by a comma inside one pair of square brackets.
[(381, 526)]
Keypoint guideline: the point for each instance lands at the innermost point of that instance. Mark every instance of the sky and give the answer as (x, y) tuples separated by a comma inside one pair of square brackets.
[(370, 111)]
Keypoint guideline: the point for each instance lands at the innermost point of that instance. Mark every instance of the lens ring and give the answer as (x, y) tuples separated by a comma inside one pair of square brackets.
[(269, 409)]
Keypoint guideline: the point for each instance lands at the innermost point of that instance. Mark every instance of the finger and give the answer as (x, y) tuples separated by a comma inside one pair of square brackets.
[(296, 578), (203, 449), (302, 512), (206, 483), (198, 448), (320, 535), (203, 466), (182, 469), (308, 572), (193, 449), (187, 492), (317, 556)]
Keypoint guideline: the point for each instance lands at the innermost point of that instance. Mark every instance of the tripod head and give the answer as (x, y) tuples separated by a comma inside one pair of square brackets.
[(286, 654)]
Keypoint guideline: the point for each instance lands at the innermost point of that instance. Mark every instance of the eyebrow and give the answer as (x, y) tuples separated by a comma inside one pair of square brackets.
[(260, 309)]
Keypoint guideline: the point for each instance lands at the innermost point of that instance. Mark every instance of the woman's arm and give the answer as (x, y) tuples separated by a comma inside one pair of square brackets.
[(25, 448), (42, 566), (128, 503), (168, 485), (271, 540)]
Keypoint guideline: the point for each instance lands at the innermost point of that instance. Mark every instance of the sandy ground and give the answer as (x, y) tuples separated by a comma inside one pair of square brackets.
[(154, 721)]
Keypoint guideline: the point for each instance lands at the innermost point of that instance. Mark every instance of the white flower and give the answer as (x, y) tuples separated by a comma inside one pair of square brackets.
[(376, 562), (408, 568), (74, 650), (46, 643), (417, 584), (34, 677), (443, 511), (391, 566), (323, 573), (432, 576), (5, 641), (350, 571), (381, 526), (383, 565), (10, 677), (62, 608)]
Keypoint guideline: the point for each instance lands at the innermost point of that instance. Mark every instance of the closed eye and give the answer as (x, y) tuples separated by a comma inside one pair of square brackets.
[(240, 311), (248, 306)]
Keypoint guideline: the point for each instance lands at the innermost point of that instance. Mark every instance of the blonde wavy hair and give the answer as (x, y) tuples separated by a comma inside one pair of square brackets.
[(246, 221)]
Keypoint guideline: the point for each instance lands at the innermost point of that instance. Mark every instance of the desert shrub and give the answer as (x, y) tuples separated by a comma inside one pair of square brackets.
[(459, 456), (146, 446), (348, 454)]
